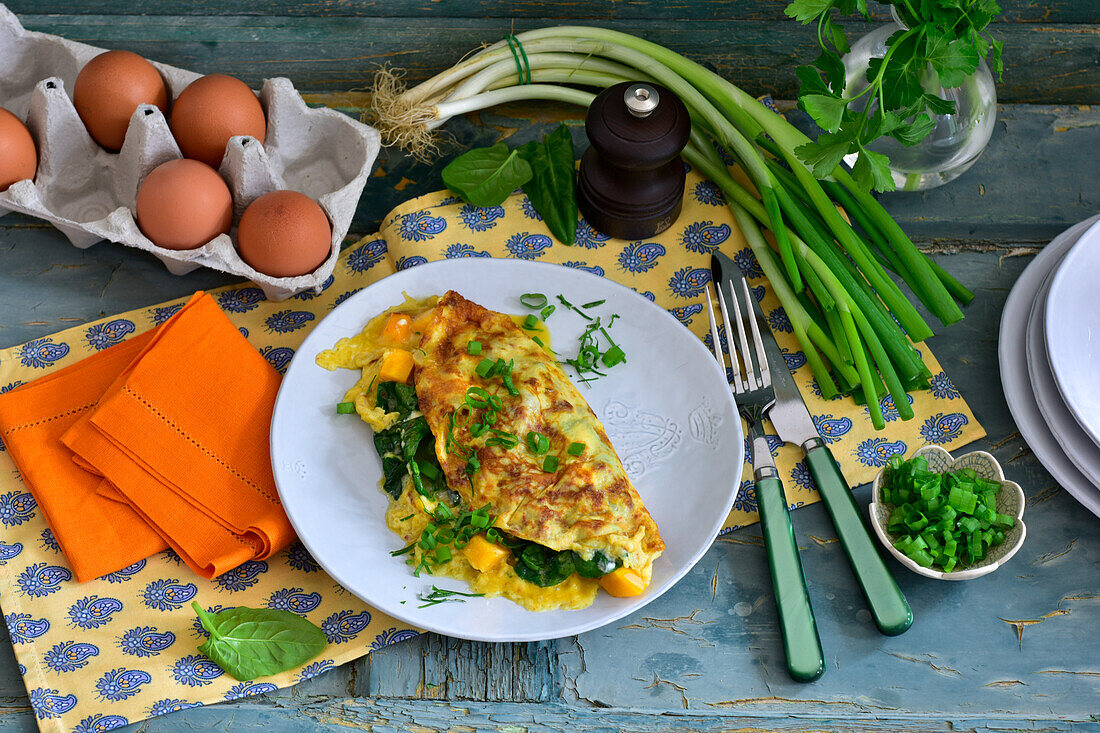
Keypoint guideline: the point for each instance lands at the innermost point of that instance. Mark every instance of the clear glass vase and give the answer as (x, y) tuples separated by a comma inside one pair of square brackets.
[(957, 140)]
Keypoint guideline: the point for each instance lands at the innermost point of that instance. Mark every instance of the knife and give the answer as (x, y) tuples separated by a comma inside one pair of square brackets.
[(793, 423)]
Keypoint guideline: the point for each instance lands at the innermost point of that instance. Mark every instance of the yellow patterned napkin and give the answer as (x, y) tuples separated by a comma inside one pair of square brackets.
[(123, 648)]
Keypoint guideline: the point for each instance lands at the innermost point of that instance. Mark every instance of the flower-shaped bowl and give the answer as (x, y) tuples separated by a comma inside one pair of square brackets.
[(1010, 501)]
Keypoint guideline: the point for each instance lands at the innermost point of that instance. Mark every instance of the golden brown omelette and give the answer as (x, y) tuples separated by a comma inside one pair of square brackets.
[(499, 472)]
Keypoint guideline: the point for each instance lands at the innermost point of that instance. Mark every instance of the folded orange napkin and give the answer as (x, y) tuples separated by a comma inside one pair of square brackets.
[(174, 431)]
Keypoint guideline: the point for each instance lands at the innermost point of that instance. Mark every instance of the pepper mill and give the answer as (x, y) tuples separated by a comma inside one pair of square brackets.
[(631, 180)]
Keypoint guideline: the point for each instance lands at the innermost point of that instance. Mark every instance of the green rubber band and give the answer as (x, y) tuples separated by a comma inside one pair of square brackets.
[(523, 68)]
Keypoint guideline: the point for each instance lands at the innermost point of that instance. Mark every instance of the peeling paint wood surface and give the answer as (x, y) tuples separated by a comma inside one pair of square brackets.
[(1014, 650)]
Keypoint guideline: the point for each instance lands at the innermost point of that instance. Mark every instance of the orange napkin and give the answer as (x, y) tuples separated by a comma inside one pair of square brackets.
[(97, 535), (178, 438)]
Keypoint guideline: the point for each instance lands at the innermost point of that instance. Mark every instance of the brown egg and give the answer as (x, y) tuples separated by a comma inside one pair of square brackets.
[(108, 90), (284, 233), (18, 157), (211, 110), (183, 204)]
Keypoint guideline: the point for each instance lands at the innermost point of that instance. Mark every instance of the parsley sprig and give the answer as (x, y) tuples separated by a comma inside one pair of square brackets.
[(940, 46)]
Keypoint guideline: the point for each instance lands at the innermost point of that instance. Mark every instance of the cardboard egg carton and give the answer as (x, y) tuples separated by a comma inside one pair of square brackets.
[(90, 194)]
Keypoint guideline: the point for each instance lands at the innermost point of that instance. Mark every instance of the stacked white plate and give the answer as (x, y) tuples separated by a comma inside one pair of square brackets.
[(1049, 351)]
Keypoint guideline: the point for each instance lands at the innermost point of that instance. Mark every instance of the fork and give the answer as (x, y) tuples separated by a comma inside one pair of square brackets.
[(752, 385)]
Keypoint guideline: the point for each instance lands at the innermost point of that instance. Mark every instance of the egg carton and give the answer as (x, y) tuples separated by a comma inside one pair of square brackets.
[(90, 194)]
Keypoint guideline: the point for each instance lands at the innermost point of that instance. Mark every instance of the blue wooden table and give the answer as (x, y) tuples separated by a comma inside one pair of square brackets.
[(1017, 650)]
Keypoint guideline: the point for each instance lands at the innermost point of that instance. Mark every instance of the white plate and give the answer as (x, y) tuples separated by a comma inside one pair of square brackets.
[(1075, 443), (668, 411), (1016, 380), (1073, 332)]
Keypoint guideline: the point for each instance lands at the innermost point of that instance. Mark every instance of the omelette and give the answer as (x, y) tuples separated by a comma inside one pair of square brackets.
[(498, 471)]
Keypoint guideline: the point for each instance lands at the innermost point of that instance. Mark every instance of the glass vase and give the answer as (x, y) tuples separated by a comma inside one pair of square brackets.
[(957, 140)]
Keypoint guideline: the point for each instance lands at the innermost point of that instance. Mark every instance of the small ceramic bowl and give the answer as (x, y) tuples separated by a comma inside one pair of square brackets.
[(1010, 501)]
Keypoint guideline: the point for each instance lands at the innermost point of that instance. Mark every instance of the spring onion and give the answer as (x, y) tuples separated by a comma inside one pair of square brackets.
[(853, 323), (948, 520), (575, 449), (530, 322), (484, 368), (550, 464), (345, 408), (473, 348), (537, 442)]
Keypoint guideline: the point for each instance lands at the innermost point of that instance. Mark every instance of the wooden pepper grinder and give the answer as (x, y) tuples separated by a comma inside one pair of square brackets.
[(631, 181)]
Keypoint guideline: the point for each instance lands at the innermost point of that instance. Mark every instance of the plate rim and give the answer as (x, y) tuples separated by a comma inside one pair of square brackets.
[(1014, 374), (572, 629), (1063, 271)]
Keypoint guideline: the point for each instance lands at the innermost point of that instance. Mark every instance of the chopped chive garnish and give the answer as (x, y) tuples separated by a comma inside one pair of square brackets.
[(575, 449), (574, 308), (443, 553), (530, 322), (404, 550), (503, 438), (473, 348), (550, 464), (345, 408), (537, 442), (547, 312), (594, 303), (495, 403), (484, 367), (533, 300), (477, 397), (442, 595), (478, 429), (481, 521), (407, 518), (613, 356), (428, 469)]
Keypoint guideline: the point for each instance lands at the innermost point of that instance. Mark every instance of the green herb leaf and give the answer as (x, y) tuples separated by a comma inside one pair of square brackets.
[(552, 187), (953, 60), (825, 154), (487, 176), (806, 11), (250, 643), (827, 111), (872, 170)]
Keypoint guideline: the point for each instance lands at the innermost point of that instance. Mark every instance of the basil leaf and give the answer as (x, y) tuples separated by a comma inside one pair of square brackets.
[(487, 176), (249, 643), (553, 187)]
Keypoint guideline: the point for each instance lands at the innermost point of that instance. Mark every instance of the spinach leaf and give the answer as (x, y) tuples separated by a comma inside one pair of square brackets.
[(487, 176), (542, 566), (396, 397), (398, 446), (249, 643), (552, 189), (599, 566)]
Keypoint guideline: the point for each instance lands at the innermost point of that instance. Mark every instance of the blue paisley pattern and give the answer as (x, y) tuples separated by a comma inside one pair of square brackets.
[(48, 703), (888, 409), (588, 237), (943, 388), (168, 594), (705, 236), (69, 656), (526, 246), (195, 670), (877, 451), (794, 360), (145, 641), (119, 684), (240, 300), (100, 723), (41, 353), (685, 313), (287, 321), (479, 218), (689, 282), (392, 635), (458, 251), (242, 577), (746, 497), (121, 576), (298, 557), (420, 226), (9, 552), (278, 357), (705, 192), (102, 335), (404, 263), (198, 630), (171, 705), (594, 269), (91, 612), (344, 626), (941, 428), (163, 313), (313, 669), (801, 476), (367, 255), (248, 689), (639, 257), (24, 628), (528, 209), (40, 579), (747, 263), (294, 599), (48, 541), (16, 508), (778, 321), (832, 428), (310, 294)]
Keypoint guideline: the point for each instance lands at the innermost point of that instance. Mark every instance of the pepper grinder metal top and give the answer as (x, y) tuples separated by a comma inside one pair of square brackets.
[(631, 180)]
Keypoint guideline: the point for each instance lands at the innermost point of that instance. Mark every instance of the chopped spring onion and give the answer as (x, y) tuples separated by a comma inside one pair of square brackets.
[(613, 356), (531, 322), (345, 408), (533, 300), (575, 449), (484, 368), (547, 311), (442, 595), (503, 438), (550, 464), (473, 348), (594, 303), (949, 520), (477, 398), (429, 470), (537, 442)]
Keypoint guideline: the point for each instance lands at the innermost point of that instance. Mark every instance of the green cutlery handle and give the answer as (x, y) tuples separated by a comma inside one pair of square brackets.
[(887, 603), (801, 643)]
